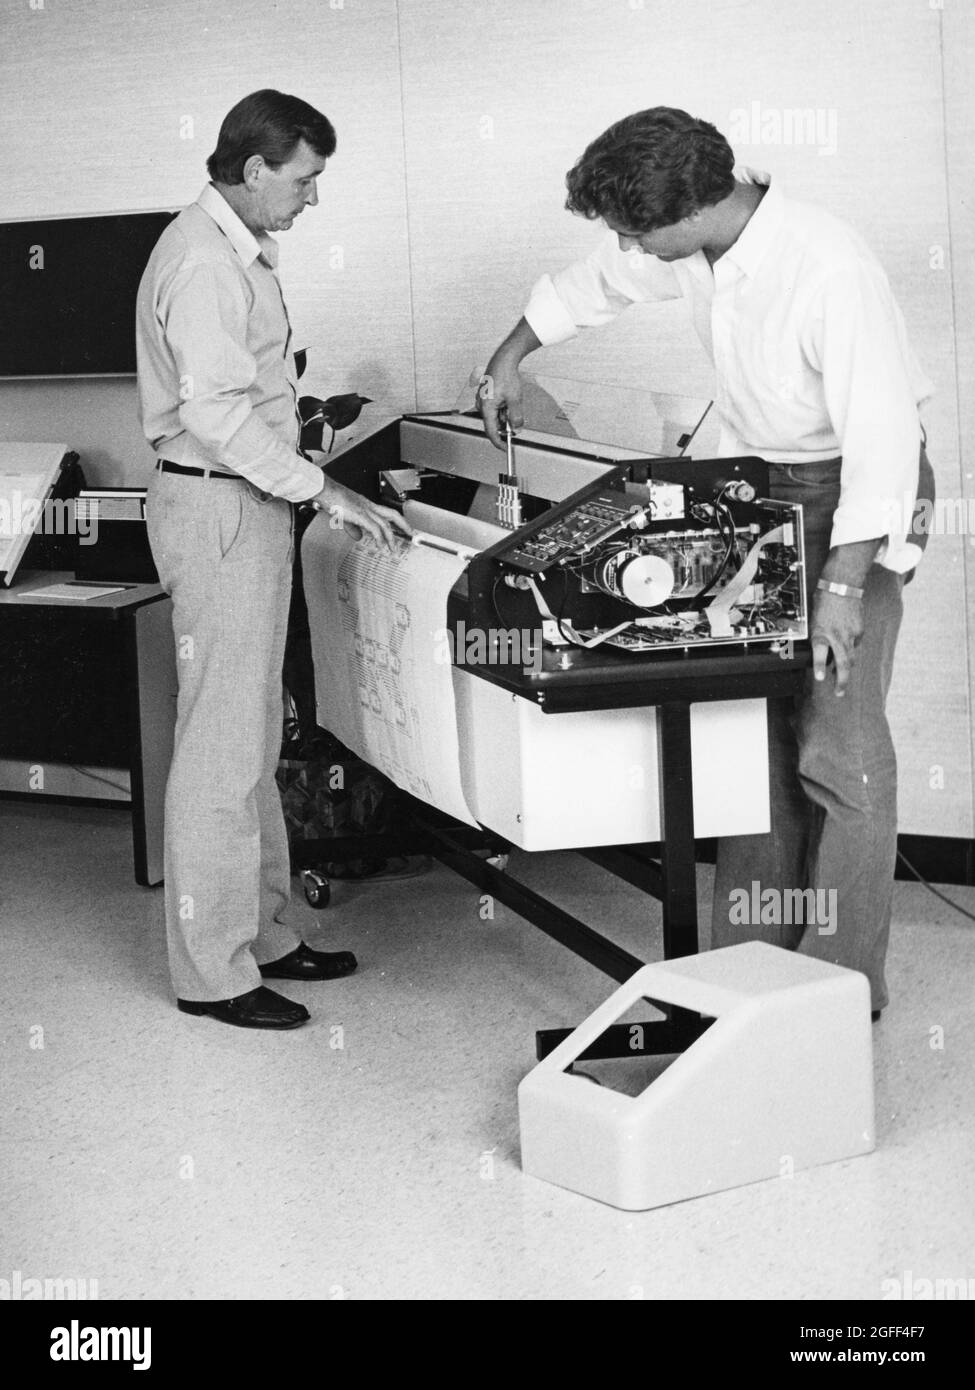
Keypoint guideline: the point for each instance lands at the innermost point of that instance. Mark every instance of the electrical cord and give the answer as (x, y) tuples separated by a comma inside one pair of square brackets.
[(560, 614), (506, 626), (931, 888), (577, 640), (720, 514), (765, 603)]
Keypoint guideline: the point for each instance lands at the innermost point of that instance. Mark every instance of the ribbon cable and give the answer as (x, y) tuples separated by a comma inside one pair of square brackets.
[(719, 612)]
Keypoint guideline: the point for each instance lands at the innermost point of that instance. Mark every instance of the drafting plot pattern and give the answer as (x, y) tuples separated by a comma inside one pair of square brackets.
[(382, 665)]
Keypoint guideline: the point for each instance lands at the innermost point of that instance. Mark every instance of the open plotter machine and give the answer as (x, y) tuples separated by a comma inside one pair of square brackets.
[(618, 623), (665, 556)]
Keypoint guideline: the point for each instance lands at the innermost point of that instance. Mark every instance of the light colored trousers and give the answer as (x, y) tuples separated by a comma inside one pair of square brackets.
[(833, 779), (224, 556)]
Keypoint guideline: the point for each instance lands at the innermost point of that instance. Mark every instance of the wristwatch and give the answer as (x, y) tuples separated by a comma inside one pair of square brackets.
[(844, 590)]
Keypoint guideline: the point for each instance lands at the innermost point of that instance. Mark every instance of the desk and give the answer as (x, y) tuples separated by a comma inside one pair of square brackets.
[(88, 702)]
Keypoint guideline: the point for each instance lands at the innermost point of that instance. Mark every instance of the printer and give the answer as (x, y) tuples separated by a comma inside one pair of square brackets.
[(597, 580)]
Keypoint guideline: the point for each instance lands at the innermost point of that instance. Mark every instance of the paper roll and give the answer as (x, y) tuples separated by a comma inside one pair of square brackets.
[(383, 658)]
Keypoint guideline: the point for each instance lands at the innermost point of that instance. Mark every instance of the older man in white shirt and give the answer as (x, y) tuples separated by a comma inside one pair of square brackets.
[(218, 395), (814, 374)]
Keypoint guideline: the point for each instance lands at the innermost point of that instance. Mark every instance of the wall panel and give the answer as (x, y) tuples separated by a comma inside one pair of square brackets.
[(115, 105)]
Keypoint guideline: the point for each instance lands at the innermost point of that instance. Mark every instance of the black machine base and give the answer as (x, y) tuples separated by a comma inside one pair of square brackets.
[(666, 871)]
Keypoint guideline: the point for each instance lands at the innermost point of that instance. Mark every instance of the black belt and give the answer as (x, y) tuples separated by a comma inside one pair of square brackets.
[(164, 466)]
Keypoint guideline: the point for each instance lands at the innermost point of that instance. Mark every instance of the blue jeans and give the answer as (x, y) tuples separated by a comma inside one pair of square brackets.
[(833, 784)]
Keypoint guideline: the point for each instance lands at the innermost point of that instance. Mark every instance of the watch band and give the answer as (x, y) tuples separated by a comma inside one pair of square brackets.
[(844, 590)]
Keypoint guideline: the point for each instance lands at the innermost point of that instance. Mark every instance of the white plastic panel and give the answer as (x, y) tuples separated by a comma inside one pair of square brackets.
[(561, 781)]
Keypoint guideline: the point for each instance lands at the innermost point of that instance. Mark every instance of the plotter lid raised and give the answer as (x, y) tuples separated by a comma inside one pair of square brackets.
[(603, 415)]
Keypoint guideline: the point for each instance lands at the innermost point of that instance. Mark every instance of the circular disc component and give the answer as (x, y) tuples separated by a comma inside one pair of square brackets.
[(645, 580)]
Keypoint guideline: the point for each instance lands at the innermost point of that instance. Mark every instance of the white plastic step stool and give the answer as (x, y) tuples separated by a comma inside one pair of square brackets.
[(781, 1080)]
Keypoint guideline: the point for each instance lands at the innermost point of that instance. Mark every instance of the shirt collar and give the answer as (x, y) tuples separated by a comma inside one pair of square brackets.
[(759, 231), (241, 238)]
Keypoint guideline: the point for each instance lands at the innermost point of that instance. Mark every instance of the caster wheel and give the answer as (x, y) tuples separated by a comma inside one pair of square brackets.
[(499, 861), (318, 890)]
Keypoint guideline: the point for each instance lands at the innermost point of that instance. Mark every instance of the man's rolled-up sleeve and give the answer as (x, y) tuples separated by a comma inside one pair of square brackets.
[(872, 407), (592, 291), (203, 312)]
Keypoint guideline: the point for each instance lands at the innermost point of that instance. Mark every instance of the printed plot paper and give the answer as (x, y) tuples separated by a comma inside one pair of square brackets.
[(382, 663)]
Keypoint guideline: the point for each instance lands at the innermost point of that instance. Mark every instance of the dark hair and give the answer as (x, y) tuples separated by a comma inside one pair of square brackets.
[(270, 124), (651, 170)]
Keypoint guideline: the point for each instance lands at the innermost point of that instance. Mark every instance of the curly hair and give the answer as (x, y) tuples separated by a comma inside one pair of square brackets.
[(271, 124), (652, 169)]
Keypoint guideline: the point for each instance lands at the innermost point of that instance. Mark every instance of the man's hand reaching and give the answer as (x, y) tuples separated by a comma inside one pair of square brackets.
[(499, 396)]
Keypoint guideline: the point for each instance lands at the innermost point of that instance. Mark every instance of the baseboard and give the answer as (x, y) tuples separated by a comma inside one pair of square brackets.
[(938, 858)]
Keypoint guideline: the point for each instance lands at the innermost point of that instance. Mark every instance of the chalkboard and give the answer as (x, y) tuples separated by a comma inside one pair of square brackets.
[(67, 293)]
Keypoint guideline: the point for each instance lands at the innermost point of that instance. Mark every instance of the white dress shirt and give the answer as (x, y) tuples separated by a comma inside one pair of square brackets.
[(809, 347), (217, 381)]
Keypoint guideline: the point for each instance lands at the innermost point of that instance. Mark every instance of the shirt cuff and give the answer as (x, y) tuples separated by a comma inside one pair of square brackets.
[(310, 485), (885, 518), (547, 316)]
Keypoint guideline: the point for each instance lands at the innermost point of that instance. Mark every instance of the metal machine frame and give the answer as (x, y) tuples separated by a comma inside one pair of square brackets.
[(667, 871)]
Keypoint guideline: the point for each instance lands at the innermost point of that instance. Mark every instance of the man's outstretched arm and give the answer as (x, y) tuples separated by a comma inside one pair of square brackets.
[(586, 294)]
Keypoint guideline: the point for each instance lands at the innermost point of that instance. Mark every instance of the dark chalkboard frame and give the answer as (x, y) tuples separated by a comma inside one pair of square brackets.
[(67, 293)]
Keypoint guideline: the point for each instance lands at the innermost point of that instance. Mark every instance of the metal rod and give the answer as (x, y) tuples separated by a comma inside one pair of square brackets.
[(645, 874), (462, 552), (677, 857), (598, 950)]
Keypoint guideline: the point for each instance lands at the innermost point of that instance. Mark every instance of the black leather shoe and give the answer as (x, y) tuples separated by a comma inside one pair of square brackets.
[(305, 964), (258, 1008)]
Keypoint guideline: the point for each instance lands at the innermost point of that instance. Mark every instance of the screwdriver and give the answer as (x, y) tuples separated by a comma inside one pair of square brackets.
[(509, 499)]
